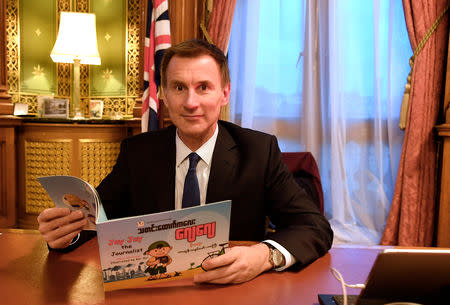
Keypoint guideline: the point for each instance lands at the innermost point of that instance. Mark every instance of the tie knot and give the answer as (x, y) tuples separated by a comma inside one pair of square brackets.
[(193, 159)]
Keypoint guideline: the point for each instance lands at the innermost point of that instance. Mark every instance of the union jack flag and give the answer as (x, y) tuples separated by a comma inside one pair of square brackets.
[(157, 39)]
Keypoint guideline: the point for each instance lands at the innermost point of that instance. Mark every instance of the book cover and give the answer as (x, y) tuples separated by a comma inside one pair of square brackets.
[(142, 250)]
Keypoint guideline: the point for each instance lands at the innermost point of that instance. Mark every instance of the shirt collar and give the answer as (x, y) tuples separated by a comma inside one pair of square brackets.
[(205, 151)]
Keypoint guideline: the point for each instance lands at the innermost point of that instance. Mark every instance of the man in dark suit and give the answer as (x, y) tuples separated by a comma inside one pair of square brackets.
[(233, 163)]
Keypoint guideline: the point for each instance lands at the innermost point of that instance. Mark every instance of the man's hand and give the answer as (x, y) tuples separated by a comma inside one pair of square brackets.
[(238, 265), (59, 226)]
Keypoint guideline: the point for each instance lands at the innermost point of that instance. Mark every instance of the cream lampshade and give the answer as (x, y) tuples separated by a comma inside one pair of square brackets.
[(76, 43)]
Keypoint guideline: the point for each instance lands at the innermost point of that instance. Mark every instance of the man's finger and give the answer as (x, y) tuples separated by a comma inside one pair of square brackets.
[(52, 213), (65, 229), (219, 261), (223, 280), (63, 241), (65, 220), (217, 276)]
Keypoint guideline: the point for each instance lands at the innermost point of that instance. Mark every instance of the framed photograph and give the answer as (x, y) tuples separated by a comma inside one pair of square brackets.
[(50, 107), (95, 109), (41, 101), (20, 109)]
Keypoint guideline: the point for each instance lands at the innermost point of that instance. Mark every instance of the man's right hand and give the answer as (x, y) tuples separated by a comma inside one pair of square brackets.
[(59, 226)]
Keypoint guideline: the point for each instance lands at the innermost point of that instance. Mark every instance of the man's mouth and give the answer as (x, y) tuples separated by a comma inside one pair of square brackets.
[(192, 117)]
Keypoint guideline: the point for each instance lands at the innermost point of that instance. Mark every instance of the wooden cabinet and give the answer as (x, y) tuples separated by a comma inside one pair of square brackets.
[(8, 172), (30, 149)]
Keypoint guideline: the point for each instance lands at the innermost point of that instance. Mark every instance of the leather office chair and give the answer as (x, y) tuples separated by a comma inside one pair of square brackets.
[(303, 164)]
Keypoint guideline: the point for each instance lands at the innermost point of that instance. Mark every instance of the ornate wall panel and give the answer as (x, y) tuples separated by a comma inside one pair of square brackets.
[(128, 83), (44, 158), (37, 33), (97, 159)]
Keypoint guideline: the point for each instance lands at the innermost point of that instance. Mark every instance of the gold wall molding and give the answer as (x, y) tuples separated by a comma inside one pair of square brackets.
[(12, 47), (63, 70), (133, 54), (63, 6), (44, 158), (82, 6)]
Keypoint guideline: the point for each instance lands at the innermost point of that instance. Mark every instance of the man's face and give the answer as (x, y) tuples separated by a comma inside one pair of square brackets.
[(193, 96)]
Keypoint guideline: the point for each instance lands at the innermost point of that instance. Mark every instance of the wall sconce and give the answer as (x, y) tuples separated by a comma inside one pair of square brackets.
[(76, 43)]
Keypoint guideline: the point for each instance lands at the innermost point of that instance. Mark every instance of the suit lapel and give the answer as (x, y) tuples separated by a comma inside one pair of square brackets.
[(165, 169), (223, 166)]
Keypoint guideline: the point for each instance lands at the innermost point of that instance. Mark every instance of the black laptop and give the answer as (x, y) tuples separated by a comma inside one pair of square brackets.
[(403, 275)]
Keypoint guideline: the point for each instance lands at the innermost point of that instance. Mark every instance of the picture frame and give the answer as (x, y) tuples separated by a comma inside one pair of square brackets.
[(96, 109), (50, 107), (41, 100), (21, 109)]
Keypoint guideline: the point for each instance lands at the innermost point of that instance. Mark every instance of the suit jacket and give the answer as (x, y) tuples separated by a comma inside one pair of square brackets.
[(246, 168)]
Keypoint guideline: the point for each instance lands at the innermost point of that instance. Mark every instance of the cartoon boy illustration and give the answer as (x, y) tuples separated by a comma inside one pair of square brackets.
[(158, 260)]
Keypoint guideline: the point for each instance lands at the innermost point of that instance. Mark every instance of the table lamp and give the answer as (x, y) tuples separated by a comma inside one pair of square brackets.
[(76, 43)]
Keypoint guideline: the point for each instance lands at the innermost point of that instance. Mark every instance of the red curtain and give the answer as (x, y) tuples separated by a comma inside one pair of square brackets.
[(221, 19), (411, 218), (219, 29)]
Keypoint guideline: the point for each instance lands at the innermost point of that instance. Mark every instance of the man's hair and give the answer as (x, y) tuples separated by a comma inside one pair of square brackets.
[(192, 49)]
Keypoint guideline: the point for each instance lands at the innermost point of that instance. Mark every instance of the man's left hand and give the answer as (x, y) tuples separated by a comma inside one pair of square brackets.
[(238, 265)]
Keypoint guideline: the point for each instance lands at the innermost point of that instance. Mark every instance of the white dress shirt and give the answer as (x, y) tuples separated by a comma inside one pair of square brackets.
[(203, 169)]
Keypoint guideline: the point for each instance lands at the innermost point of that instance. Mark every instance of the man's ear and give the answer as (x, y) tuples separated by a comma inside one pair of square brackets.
[(226, 94), (162, 95)]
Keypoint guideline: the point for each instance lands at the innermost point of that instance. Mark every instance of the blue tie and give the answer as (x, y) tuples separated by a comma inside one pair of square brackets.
[(191, 192)]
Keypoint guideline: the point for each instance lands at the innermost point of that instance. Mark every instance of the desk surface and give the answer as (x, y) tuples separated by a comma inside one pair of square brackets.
[(29, 274)]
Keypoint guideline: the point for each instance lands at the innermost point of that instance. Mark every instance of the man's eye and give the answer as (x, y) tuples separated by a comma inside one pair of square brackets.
[(203, 87), (179, 88)]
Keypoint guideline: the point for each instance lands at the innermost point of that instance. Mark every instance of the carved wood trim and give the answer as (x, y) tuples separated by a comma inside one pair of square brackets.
[(6, 107)]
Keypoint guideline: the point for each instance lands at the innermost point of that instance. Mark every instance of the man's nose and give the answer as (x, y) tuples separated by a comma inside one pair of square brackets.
[(191, 100)]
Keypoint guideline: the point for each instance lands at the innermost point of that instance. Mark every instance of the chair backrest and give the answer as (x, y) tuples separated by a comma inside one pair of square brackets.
[(304, 168)]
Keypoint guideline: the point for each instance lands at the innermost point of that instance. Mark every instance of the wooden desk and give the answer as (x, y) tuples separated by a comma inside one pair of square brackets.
[(29, 274)]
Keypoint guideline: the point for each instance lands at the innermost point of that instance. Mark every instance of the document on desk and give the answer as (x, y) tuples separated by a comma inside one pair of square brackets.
[(142, 250)]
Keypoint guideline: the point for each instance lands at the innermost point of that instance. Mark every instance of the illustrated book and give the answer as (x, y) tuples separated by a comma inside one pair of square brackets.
[(142, 250)]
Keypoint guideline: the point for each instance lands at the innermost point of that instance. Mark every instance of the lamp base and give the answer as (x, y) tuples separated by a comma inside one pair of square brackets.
[(78, 115)]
